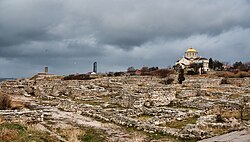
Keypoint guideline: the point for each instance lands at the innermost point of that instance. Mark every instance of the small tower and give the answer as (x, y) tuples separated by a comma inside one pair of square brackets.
[(95, 67), (46, 70), (191, 53)]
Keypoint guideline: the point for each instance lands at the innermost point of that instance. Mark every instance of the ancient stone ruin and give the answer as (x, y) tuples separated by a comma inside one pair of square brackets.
[(197, 109)]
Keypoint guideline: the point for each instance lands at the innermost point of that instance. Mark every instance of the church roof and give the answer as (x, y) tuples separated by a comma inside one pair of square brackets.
[(186, 58), (200, 58), (191, 50)]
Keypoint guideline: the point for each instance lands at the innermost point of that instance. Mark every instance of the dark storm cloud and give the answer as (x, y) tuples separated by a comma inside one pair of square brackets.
[(24, 21), (69, 35), (134, 24)]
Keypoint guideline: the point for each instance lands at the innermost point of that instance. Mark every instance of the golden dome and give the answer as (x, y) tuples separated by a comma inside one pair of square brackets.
[(191, 50)]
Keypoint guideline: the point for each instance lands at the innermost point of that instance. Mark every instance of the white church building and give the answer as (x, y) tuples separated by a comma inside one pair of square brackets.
[(190, 57)]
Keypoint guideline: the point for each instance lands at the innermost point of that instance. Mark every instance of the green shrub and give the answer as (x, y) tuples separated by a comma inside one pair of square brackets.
[(93, 135)]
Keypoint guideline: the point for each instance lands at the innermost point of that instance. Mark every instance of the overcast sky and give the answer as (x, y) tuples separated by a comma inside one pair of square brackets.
[(69, 35)]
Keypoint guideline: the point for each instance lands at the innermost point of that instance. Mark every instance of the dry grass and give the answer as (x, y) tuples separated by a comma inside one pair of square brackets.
[(5, 102), (219, 130), (107, 98), (229, 114), (246, 114), (235, 96), (81, 134), (1, 120), (228, 74), (162, 72), (242, 74), (14, 104), (8, 134), (215, 130), (226, 112), (144, 117), (71, 134), (93, 135), (236, 114), (54, 78)]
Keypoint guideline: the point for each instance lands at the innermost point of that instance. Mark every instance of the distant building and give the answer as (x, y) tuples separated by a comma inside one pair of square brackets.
[(138, 72), (95, 67), (190, 57), (42, 75), (226, 66), (46, 70)]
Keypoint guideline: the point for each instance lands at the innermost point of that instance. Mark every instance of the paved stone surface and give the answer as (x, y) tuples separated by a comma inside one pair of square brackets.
[(239, 136)]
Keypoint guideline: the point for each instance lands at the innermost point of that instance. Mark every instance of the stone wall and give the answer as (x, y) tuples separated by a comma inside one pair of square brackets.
[(201, 82)]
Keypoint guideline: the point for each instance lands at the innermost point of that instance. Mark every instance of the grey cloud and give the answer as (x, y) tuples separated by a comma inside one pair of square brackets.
[(24, 21), (69, 35), (149, 20), (57, 49), (122, 23)]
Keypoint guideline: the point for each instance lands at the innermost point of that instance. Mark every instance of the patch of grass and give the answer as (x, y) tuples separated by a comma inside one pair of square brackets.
[(179, 124), (36, 136), (234, 96), (53, 78), (219, 131), (159, 136), (132, 130), (215, 130), (13, 126), (70, 134), (93, 135), (14, 132), (236, 114), (106, 98), (168, 138), (229, 114), (227, 74), (144, 117), (246, 114), (8, 134)]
